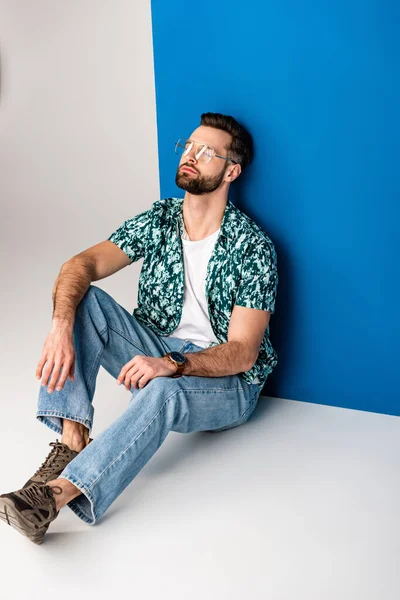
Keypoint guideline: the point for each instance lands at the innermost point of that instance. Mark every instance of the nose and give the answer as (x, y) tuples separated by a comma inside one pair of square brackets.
[(192, 155)]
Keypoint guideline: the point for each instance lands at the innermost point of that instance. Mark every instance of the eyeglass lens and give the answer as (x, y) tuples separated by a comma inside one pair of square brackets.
[(204, 153)]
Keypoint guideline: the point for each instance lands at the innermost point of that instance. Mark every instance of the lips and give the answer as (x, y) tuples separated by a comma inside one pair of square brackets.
[(188, 169)]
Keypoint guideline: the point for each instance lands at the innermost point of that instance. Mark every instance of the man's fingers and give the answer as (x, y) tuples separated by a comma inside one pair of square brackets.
[(132, 377), (47, 372), (58, 357), (40, 366), (143, 381), (127, 379), (65, 372), (72, 370), (62, 379), (121, 375), (54, 377), (124, 370)]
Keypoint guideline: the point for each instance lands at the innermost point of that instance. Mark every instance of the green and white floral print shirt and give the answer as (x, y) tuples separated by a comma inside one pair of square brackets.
[(242, 270)]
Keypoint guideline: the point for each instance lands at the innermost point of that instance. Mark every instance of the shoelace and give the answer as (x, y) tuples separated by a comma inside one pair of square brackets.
[(35, 492), (57, 450)]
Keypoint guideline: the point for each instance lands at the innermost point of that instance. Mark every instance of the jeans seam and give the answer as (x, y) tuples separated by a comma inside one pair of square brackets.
[(126, 338), (252, 403), (91, 378), (93, 372)]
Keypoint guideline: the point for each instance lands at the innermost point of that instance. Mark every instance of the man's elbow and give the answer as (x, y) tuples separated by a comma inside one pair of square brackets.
[(250, 365), (251, 360), (248, 355)]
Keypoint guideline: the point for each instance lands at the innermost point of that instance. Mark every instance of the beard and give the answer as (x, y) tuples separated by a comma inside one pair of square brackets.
[(199, 185)]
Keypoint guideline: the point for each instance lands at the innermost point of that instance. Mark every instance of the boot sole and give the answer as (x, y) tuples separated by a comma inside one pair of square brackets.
[(11, 515)]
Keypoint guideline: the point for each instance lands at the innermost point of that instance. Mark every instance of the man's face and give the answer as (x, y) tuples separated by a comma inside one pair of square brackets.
[(204, 178)]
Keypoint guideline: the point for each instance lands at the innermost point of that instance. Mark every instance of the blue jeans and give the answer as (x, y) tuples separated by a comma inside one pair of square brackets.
[(106, 334)]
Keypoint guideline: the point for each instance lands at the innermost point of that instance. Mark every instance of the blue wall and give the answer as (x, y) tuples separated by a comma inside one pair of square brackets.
[(317, 84)]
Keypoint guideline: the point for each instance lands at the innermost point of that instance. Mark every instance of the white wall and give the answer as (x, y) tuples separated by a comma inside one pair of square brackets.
[(78, 155)]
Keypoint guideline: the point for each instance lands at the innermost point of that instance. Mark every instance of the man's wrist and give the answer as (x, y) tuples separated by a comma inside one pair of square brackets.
[(177, 361), (173, 368), (58, 323), (186, 366)]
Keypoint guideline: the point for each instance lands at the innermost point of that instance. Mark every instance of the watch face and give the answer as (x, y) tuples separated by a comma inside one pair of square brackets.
[(178, 357)]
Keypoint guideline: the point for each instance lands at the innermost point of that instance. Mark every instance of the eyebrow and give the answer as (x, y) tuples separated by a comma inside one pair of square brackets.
[(206, 144)]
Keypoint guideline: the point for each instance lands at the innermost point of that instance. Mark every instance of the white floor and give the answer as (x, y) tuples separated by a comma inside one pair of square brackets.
[(301, 502)]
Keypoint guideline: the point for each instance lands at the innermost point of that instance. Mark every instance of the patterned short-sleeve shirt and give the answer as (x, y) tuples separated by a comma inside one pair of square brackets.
[(242, 270)]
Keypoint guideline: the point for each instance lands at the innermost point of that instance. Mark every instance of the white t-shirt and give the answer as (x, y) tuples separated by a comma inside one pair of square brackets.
[(195, 321)]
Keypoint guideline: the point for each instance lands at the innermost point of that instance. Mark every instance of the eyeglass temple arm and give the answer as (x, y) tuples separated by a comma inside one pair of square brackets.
[(226, 158)]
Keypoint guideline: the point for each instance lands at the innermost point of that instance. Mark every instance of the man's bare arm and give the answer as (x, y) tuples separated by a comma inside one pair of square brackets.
[(70, 286), (76, 275), (57, 361), (225, 359)]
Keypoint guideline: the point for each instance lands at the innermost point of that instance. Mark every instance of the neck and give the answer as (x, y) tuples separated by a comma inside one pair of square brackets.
[(203, 215)]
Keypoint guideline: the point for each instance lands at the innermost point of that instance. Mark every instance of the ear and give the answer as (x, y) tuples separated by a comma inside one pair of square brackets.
[(232, 172)]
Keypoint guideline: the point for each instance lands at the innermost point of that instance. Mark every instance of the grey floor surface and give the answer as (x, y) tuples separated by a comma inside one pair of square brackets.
[(301, 502)]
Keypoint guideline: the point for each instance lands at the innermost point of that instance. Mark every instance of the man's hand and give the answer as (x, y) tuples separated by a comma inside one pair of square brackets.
[(144, 368), (58, 352)]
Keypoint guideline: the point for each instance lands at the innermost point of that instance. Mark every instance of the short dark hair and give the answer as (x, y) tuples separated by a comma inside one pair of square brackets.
[(241, 148)]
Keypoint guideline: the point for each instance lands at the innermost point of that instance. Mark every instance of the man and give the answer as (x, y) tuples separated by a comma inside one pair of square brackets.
[(195, 353)]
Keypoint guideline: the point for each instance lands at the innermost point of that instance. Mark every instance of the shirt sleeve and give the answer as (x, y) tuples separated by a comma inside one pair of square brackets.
[(132, 235), (259, 278)]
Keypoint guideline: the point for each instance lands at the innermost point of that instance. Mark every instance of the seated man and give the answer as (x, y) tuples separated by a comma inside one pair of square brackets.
[(195, 353)]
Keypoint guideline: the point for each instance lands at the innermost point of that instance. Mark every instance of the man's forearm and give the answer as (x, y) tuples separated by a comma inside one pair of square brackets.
[(70, 286), (225, 359)]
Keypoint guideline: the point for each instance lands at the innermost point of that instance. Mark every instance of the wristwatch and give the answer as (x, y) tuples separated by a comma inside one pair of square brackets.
[(178, 359)]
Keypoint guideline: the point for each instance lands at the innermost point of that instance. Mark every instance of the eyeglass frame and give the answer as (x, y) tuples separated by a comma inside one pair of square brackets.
[(205, 146)]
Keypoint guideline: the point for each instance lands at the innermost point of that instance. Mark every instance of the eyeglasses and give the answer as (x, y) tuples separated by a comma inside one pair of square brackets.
[(204, 153)]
